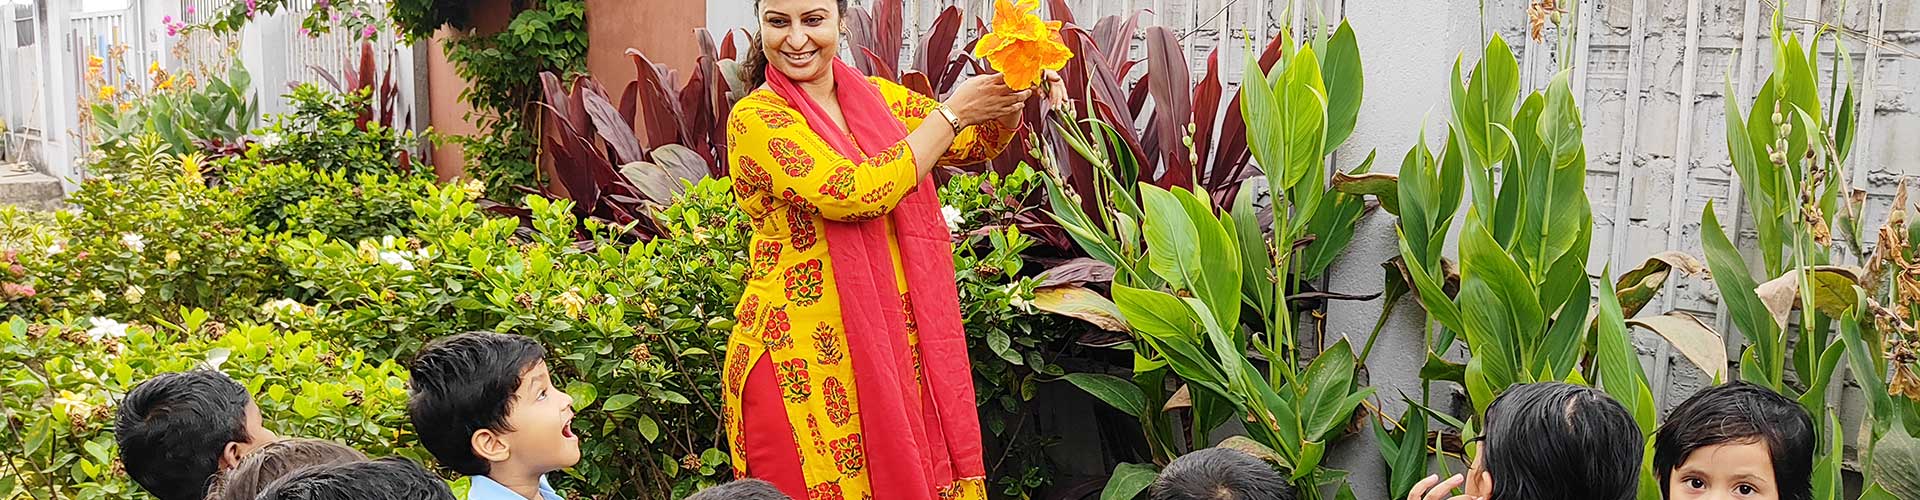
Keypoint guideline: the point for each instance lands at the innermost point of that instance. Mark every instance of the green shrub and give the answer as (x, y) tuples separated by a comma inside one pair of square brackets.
[(324, 133), (635, 332), (146, 242), (301, 200), (64, 379)]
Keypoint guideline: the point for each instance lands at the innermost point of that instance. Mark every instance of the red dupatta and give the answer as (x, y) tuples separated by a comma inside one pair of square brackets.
[(918, 440)]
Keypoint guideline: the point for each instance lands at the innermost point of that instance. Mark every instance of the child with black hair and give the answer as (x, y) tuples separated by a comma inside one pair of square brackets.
[(1736, 440), (1550, 441), (177, 430), (277, 460), (384, 479), (744, 489), (485, 405), (1220, 474)]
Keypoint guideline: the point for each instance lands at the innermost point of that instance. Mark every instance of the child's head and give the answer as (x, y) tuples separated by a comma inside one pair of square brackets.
[(744, 489), (484, 404), (176, 430), (383, 479), (273, 461), (1560, 442), (1220, 474), (1736, 440)]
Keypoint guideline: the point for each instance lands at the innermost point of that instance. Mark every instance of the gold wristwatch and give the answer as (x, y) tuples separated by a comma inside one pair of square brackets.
[(952, 119)]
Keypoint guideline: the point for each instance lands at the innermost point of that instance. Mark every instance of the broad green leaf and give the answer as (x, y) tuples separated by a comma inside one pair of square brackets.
[(1620, 373), (1128, 481), (620, 402), (583, 394), (1862, 359), (1737, 292), (1120, 394), (1815, 399), (1344, 82), (648, 427), (1502, 310), (1432, 295), (1303, 100), (1218, 281), (1256, 258), (1172, 239), (1328, 378), (1486, 100), (1568, 335)]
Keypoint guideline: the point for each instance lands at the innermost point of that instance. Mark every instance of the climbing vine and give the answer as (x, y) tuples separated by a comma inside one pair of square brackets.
[(502, 86)]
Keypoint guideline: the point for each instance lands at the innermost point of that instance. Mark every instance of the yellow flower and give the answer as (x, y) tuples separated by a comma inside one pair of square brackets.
[(107, 92), (95, 62), (164, 84), (1021, 45), (154, 68), (126, 106)]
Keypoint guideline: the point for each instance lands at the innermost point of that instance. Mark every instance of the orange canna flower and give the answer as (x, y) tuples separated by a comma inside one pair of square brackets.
[(1021, 45)]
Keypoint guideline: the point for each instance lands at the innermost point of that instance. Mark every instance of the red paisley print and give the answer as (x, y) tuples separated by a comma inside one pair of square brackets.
[(800, 224), (874, 196), (775, 119), (813, 428), (839, 407), (753, 175), (793, 380), (840, 185), (749, 311), (737, 368), (827, 342), (804, 283), (826, 491), (776, 332), (766, 256), (797, 202), (791, 157), (850, 455)]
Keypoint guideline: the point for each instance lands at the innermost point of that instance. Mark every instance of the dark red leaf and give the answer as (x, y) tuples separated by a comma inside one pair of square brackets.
[(917, 82), (1078, 272), (1170, 82), (887, 29), (878, 65), (936, 57), (1206, 114), (658, 114), (607, 123)]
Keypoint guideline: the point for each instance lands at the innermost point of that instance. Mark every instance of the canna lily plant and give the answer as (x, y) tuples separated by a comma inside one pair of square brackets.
[(1185, 269)]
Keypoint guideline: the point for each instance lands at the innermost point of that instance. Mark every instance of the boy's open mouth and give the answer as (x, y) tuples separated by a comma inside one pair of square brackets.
[(566, 430)]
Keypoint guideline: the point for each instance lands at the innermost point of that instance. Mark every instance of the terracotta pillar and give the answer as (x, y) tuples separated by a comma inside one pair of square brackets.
[(663, 30)]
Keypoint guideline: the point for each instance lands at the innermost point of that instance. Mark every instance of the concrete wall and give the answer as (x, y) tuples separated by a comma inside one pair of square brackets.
[(1651, 76), (664, 31)]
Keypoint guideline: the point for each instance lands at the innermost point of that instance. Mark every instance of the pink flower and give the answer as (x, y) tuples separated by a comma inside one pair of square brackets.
[(173, 30), (166, 19), (189, 10), (368, 32), (18, 290), (250, 8), (304, 32)]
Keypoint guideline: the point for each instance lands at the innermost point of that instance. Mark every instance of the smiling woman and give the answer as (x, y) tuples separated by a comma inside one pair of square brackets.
[(847, 373)]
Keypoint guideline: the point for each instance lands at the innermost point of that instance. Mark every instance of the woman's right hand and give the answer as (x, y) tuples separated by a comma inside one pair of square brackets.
[(985, 98)]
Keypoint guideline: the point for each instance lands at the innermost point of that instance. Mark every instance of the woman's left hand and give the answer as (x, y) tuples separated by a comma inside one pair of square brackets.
[(1056, 89)]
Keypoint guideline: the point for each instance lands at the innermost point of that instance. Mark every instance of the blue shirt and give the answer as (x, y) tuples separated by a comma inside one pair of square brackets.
[(485, 488)]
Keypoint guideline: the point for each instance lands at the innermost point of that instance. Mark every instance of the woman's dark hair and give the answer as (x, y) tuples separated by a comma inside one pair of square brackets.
[(1554, 441), (276, 460), (1741, 413), (756, 65)]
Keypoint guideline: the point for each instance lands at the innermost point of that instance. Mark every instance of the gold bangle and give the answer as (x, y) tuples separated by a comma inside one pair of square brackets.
[(952, 119)]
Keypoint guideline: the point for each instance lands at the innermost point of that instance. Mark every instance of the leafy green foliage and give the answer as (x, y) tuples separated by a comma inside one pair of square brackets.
[(502, 71), (65, 377), (218, 113), (323, 133), (300, 200)]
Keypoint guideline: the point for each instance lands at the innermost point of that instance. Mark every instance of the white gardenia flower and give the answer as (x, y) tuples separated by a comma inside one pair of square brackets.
[(105, 328), (135, 293), (56, 247), (134, 241), (283, 306), (397, 259), (271, 140), (953, 218)]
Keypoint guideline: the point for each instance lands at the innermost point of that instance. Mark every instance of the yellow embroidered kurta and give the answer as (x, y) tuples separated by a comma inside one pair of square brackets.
[(789, 181)]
